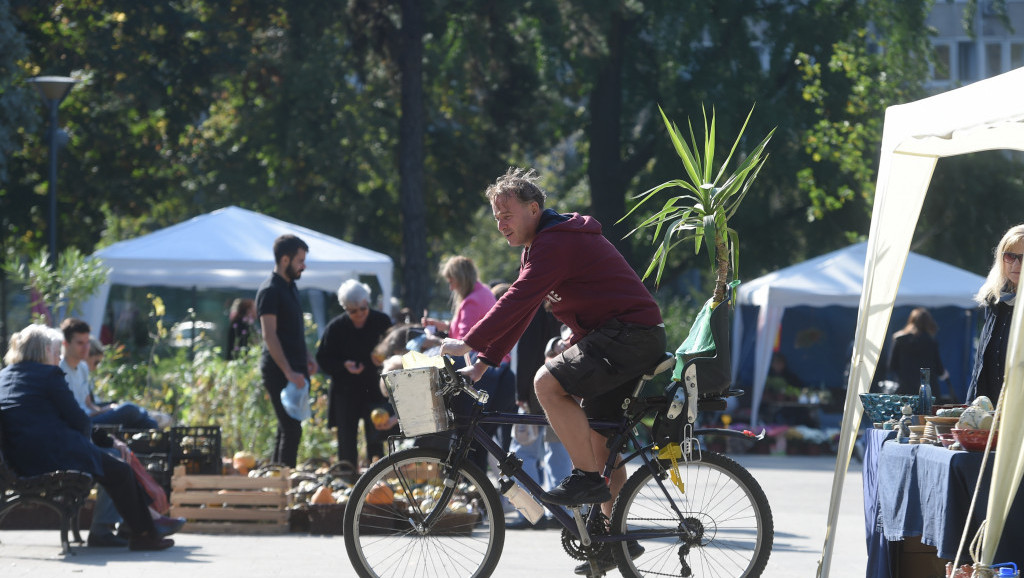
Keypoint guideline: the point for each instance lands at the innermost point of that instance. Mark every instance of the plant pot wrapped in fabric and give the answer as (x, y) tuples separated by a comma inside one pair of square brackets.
[(704, 355), (702, 375)]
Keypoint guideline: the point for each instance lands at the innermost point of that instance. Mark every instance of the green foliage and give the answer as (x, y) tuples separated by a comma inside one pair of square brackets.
[(61, 288), (15, 98), (711, 197), (205, 389)]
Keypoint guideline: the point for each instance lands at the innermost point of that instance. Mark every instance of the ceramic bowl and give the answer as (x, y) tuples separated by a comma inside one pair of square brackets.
[(883, 406), (974, 440)]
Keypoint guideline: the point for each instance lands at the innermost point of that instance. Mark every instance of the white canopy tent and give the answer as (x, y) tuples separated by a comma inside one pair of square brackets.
[(231, 248), (837, 279), (986, 115)]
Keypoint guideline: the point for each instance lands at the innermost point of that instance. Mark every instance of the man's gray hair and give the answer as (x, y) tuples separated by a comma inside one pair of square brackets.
[(521, 184), (353, 292)]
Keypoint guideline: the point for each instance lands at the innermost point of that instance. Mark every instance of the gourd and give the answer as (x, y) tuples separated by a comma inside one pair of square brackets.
[(243, 461), (322, 495), (380, 495)]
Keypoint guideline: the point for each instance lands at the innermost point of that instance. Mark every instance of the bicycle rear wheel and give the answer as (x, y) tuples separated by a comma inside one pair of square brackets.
[(392, 499), (725, 510)]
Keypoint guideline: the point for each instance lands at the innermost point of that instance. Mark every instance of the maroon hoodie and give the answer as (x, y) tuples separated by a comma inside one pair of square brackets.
[(586, 279)]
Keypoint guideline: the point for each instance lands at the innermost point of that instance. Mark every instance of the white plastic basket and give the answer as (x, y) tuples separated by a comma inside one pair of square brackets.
[(412, 393)]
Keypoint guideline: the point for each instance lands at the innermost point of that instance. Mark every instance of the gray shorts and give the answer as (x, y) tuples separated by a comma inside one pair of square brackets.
[(602, 368)]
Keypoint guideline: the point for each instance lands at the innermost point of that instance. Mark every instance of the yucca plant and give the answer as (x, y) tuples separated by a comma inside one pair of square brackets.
[(709, 199)]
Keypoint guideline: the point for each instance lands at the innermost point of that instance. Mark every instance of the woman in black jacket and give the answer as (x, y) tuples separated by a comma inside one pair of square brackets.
[(913, 348), (345, 353), (45, 430), (997, 296)]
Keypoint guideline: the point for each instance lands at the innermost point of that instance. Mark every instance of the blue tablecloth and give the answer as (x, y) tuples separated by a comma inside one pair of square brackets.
[(926, 491), (878, 546)]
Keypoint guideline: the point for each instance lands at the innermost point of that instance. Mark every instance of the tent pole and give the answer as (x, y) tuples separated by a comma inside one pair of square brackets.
[(967, 351), (192, 334)]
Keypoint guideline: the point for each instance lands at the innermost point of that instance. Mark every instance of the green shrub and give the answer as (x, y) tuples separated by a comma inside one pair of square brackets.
[(209, 390)]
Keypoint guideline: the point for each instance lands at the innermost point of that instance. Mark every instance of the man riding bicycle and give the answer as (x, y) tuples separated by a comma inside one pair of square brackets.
[(617, 329)]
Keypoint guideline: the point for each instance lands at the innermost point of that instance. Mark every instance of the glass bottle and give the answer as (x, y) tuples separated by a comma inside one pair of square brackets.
[(926, 392)]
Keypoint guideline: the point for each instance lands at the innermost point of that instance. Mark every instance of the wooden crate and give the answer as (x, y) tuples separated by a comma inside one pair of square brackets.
[(230, 504)]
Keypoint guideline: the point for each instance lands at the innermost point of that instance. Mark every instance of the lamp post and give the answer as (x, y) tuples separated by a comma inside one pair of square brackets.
[(53, 89)]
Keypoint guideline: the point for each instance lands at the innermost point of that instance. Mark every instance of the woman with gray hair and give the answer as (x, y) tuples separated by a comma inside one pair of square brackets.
[(345, 354), (45, 430)]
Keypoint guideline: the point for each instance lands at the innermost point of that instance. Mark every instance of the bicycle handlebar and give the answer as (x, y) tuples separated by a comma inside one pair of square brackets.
[(461, 383)]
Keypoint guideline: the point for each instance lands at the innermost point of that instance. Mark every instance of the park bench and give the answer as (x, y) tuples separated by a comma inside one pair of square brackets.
[(62, 491)]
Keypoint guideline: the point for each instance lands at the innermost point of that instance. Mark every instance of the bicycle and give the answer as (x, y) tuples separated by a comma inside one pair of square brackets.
[(429, 511)]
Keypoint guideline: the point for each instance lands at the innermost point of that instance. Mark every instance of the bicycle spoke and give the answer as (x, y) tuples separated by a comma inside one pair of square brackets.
[(382, 542), (724, 527)]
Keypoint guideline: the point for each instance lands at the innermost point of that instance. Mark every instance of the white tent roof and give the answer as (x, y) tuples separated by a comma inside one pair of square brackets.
[(837, 278), (986, 115), (231, 247)]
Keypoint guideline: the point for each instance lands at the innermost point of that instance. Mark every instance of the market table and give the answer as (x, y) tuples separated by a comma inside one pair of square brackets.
[(925, 490)]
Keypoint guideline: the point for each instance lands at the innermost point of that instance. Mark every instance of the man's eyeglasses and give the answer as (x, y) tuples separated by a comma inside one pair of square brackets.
[(1009, 257), (354, 310)]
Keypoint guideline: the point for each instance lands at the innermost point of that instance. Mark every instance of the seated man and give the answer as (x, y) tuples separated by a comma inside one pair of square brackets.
[(76, 371), (97, 351)]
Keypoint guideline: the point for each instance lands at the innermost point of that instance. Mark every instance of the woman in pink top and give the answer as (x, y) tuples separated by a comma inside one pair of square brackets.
[(471, 300)]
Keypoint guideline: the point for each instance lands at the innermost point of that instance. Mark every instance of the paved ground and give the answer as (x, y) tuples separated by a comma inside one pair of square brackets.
[(798, 489)]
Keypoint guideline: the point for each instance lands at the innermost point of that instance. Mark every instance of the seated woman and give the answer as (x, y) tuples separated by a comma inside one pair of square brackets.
[(46, 430)]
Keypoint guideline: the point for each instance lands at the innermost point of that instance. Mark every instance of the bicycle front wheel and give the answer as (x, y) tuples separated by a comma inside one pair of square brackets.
[(721, 524), (384, 527)]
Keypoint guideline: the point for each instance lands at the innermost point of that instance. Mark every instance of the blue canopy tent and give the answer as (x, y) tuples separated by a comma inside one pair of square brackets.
[(815, 305)]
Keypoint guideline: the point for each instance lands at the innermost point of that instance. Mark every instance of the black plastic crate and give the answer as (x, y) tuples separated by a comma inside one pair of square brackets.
[(147, 441), (197, 448), (158, 466)]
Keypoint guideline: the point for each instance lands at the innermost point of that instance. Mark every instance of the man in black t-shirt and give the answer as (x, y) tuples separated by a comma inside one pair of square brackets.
[(285, 358)]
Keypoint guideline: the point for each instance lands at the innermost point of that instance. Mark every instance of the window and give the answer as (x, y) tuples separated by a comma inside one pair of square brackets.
[(1016, 55), (941, 66), (966, 62), (993, 60)]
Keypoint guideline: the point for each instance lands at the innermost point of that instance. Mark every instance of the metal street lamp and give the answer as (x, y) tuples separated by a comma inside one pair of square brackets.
[(53, 89)]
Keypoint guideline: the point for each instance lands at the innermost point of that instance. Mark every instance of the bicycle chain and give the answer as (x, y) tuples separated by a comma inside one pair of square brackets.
[(575, 548)]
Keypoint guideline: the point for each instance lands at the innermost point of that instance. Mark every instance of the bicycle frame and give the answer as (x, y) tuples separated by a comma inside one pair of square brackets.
[(510, 465)]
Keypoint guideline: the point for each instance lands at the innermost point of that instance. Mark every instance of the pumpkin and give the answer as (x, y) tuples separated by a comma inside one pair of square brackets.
[(243, 462), (379, 417), (380, 495), (322, 495)]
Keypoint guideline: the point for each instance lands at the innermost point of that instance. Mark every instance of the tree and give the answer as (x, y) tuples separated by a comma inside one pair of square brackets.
[(59, 288), (410, 157)]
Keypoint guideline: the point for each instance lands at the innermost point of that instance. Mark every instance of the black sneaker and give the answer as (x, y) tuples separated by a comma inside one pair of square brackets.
[(606, 560), (106, 541), (580, 488)]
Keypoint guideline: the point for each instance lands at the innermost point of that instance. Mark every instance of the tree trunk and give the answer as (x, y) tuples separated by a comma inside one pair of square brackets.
[(721, 268), (604, 166), (415, 276)]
